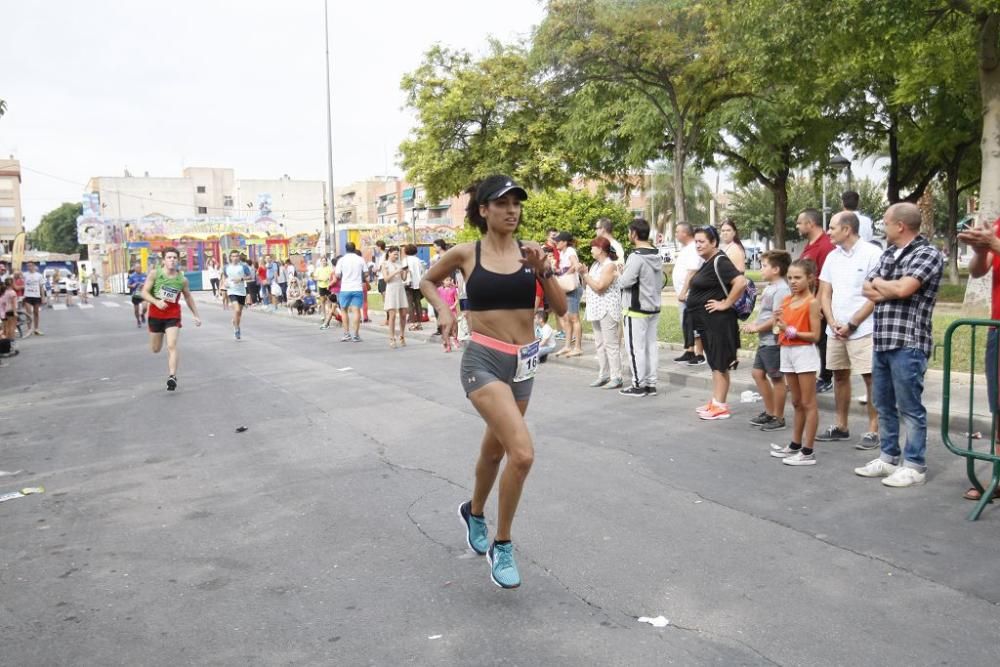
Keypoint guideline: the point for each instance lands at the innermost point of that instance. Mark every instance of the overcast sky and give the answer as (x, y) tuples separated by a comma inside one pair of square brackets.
[(95, 87)]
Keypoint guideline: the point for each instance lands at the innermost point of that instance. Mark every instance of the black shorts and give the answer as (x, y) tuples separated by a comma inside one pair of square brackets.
[(238, 298), (33, 300), (9, 314), (324, 291), (156, 325), (332, 296), (137, 300), (720, 334)]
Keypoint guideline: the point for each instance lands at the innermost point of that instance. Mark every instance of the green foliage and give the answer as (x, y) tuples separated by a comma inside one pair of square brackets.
[(481, 117), (647, 72), (574, 212), (57, 230), (570, 211), (751, 206), (697, 193)]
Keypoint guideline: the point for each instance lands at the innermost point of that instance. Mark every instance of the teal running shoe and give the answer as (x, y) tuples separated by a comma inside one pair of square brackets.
[(475, 529), (503, 569)]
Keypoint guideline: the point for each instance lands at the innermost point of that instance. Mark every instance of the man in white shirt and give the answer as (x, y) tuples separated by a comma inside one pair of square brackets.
[(851, 200), (849, 322), (351, 270), (33, 282), (686, 264), (604, 229)]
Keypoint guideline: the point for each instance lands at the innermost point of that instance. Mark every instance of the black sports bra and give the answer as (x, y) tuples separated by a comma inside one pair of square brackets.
[(487, 290)]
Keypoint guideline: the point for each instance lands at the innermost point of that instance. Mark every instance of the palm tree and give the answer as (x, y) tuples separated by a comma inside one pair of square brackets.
[(697, 197)]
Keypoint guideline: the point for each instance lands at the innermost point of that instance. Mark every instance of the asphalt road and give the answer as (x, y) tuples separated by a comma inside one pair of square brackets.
[(326, 533)]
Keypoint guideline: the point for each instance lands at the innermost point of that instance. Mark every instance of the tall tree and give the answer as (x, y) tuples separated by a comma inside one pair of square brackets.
[(57, 230), (479, 117), (663, 55), (985, 15), (788, 122)]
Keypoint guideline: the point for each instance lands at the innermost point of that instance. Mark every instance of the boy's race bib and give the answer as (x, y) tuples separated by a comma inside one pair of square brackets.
[(169, 294), (527, 362)]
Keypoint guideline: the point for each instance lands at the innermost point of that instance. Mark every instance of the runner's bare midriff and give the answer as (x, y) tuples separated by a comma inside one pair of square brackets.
[(509, 326)]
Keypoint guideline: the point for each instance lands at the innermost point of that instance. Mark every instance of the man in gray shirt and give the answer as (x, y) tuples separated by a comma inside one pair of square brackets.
[(642, 281)]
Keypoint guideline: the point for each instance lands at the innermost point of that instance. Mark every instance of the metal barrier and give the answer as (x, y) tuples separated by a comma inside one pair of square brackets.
[(967, 451)]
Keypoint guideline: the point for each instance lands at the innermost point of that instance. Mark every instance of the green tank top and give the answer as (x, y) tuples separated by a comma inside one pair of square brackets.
[(167, 287)]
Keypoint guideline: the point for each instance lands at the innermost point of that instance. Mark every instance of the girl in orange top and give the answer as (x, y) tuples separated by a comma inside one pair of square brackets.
[(799, 324)]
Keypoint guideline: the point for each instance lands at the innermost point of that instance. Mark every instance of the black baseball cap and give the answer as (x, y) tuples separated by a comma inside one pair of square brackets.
[(496, 186)]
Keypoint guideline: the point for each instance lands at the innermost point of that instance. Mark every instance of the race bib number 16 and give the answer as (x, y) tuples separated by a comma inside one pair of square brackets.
[(527, 362)]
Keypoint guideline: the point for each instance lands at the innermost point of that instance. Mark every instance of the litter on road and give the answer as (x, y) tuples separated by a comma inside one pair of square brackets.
[(21, 494), (658, 622)]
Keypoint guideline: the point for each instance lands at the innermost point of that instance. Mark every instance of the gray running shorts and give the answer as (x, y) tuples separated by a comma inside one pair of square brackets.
[(482, 365)]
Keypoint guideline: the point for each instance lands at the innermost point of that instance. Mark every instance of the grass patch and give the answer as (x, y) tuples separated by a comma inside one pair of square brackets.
[(951, 293)]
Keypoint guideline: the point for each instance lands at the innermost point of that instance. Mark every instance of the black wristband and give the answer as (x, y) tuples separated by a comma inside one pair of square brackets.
[(852, 326), (545, 275)]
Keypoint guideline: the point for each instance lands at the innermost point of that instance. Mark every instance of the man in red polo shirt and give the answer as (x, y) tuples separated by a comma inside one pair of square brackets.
[(809, 223), (985, 241)]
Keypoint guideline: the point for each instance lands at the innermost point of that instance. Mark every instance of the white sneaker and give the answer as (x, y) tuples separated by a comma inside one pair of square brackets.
[(779, 452), (799, 459), (904, 477), (876, 468)]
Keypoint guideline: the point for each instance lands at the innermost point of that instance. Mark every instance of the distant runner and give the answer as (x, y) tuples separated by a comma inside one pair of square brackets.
[(33, 282), (163, 289), (136, 279), (236, 289)]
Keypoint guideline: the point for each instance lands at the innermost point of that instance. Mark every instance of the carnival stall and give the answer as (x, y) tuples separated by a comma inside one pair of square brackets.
[(119, 244)]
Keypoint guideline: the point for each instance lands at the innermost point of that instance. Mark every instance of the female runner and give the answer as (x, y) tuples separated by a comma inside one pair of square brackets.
[(499, 363)]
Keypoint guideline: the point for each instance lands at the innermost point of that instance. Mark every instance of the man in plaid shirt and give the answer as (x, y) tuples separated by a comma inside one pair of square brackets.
[(904, 288)]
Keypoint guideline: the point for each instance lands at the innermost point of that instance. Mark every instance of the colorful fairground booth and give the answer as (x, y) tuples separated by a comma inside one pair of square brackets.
[(122, 243)]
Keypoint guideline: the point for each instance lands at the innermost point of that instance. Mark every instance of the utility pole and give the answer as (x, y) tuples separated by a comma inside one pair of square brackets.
[(331, 221)]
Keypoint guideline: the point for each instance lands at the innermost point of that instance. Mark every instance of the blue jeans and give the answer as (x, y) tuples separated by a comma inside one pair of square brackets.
[(897, 389)]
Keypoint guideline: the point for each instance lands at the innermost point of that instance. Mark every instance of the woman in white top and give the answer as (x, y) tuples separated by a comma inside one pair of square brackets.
[(212, 269), (568, 263), (731, 245), (393, 272), (604, 311)]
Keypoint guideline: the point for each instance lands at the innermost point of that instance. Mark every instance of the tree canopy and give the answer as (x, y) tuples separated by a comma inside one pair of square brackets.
[(765, 89), (57, 230)]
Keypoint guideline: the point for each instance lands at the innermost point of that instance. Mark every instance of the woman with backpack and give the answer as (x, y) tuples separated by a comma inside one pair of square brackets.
[(712, 294)]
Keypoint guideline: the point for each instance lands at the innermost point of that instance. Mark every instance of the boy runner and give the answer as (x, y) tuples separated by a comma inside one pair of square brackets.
[(236, 289), (163, 289), (136, 279)]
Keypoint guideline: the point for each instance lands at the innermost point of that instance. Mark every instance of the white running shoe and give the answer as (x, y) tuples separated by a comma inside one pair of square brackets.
[(779, 452), (799, 459), (876, 468), (904, 477)]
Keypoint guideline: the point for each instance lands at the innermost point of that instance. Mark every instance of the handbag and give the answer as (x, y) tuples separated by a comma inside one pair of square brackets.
[(746, 301), (568, 281)]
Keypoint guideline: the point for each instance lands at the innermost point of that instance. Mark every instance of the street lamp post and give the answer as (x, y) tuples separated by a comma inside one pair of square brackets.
[(330, 212)]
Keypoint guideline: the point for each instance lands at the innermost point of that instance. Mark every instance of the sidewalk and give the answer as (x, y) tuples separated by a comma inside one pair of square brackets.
[(700, 377)]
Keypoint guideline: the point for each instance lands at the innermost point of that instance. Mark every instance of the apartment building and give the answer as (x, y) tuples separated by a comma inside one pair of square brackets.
[(11, 217), (213, 193)]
